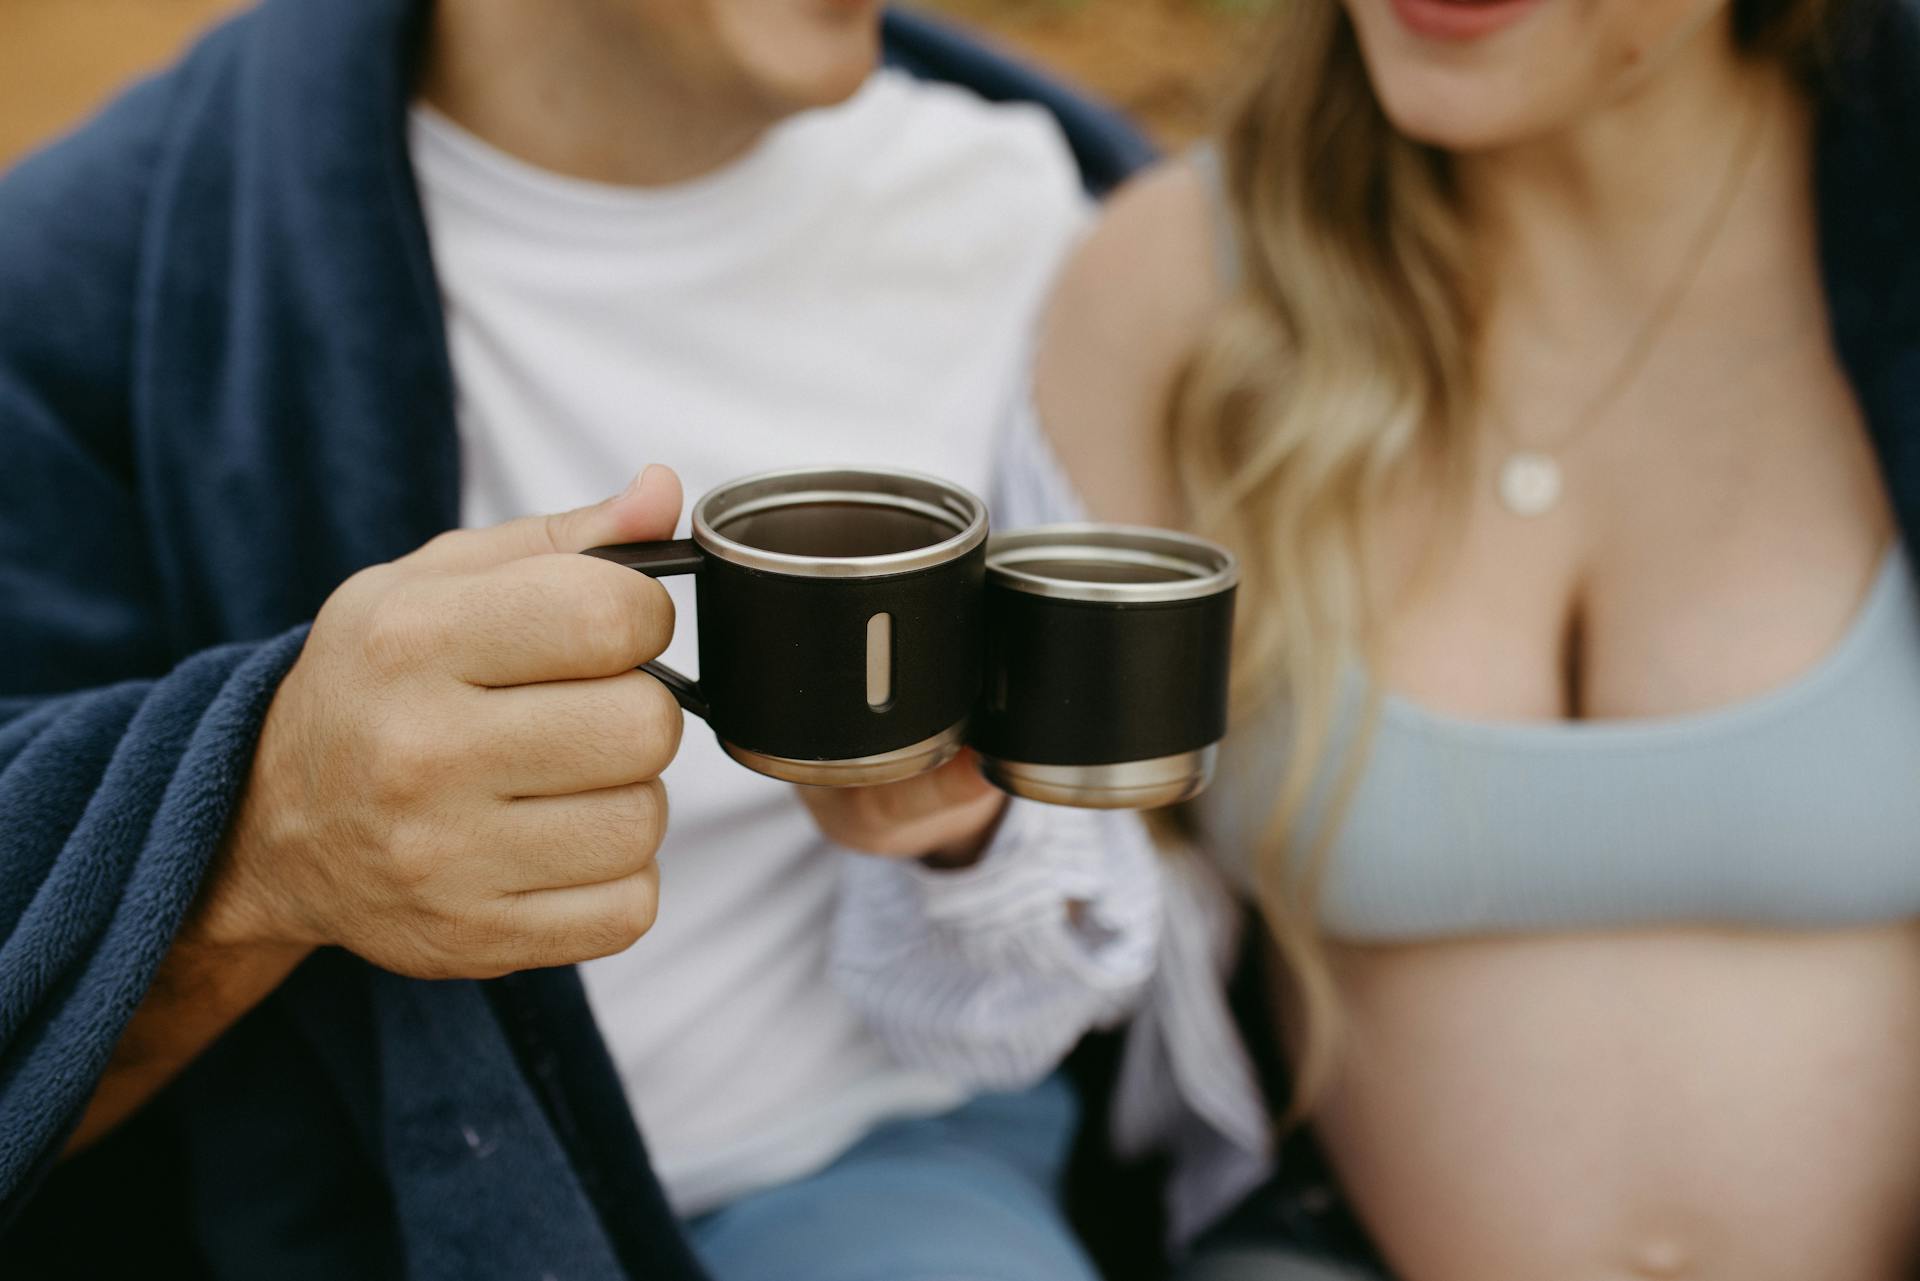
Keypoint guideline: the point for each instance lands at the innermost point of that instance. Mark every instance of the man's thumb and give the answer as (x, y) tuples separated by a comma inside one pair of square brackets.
[(646, 509)]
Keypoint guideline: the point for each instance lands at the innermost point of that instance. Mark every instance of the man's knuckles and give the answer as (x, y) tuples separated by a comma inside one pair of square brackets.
[(585, 616), (630, 717), (597, 615), (395, 630), (615, 833), (632, 907), (655, 724), (410, 760), (636, 816)]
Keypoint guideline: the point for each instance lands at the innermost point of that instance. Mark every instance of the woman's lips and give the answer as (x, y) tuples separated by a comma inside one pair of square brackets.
[(1460, 19)]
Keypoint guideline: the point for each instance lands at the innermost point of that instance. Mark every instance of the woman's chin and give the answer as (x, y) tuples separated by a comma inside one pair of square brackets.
[(1458, 118), (1469, 75)]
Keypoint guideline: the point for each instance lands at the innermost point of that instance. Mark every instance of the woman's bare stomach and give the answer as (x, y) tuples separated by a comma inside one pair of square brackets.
[(1705, 1105)]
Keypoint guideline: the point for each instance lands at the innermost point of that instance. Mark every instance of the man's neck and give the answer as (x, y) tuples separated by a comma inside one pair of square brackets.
[(583, 90)]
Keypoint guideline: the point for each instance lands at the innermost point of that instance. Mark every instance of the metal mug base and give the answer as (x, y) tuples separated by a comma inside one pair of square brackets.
[(1128, 785), (865, 771)]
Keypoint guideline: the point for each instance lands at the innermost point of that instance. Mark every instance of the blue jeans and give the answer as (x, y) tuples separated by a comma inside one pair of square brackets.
[(973, 1195)]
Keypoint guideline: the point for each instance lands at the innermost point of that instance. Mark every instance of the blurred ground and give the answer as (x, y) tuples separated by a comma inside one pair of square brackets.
[(1162, 60), (61, 58)]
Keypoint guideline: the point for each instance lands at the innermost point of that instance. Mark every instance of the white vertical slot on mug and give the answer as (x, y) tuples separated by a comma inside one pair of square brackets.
[(879, 661)]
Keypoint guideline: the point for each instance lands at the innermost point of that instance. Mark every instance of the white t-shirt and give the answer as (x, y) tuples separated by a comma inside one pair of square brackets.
[(861, 287)]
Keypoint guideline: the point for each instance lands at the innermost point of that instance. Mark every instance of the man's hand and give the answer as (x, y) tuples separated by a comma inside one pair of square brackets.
[(944, 818), (459, 777)]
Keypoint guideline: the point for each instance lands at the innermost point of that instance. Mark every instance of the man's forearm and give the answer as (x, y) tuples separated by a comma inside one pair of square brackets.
[(201, 989)]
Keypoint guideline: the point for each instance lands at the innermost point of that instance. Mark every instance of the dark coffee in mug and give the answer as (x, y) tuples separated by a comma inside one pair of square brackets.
[(839, 614), (1107, 656)]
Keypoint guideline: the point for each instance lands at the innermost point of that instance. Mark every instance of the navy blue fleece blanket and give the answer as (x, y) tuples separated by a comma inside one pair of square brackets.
[(112, 803), (224, 389)]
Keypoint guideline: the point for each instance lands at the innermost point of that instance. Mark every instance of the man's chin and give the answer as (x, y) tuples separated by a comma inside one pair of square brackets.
[(825, 63), (832, 92)]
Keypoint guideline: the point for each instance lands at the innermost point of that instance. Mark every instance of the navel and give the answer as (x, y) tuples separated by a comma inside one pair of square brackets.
[(1660, 1259)]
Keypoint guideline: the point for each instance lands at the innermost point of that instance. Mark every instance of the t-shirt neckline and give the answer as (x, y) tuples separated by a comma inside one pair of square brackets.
[(794, 158)]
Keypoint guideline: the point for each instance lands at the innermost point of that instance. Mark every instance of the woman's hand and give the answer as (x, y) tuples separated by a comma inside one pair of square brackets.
[(944, 818)]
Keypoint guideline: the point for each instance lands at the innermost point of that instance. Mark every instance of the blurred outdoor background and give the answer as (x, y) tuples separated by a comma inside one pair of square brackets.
[(1162, 60)]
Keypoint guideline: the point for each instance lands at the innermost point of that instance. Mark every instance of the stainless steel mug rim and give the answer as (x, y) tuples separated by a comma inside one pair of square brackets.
[(899, 489), (1122, 785), (1206, 567)]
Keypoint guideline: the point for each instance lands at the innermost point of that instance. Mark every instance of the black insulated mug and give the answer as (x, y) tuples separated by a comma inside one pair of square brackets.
[(1107, 654), (839, 614)]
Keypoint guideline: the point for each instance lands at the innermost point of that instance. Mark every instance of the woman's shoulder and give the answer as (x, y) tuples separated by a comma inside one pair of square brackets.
[(1148, 275), (1128, 307)]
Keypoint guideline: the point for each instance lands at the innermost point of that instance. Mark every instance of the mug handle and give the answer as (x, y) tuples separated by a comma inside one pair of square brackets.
[(662, 560)]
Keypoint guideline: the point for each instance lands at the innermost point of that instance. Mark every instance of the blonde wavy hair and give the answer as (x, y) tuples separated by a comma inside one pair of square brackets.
[(1345, 355)]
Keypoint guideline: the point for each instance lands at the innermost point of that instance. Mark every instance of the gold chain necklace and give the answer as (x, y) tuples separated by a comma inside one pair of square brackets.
[(1531, 479)]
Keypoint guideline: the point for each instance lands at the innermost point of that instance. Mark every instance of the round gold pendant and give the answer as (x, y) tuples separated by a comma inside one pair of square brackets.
[(1530, 483)]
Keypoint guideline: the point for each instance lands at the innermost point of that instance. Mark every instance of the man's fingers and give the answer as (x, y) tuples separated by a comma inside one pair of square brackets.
[(558, 842), (578, 923), (647, 509), (563, 737), (550, 618)]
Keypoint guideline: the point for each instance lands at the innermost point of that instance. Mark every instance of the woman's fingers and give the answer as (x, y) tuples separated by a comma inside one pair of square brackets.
[(951, 809)]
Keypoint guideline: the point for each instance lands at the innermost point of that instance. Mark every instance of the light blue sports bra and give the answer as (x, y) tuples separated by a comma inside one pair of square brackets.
[(1798, 808)]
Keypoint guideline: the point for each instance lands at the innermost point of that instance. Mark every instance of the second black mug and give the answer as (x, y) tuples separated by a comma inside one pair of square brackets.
[(1107, 661)]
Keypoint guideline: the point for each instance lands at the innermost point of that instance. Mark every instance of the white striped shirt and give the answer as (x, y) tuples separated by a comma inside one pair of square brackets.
[(1071, 921)]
